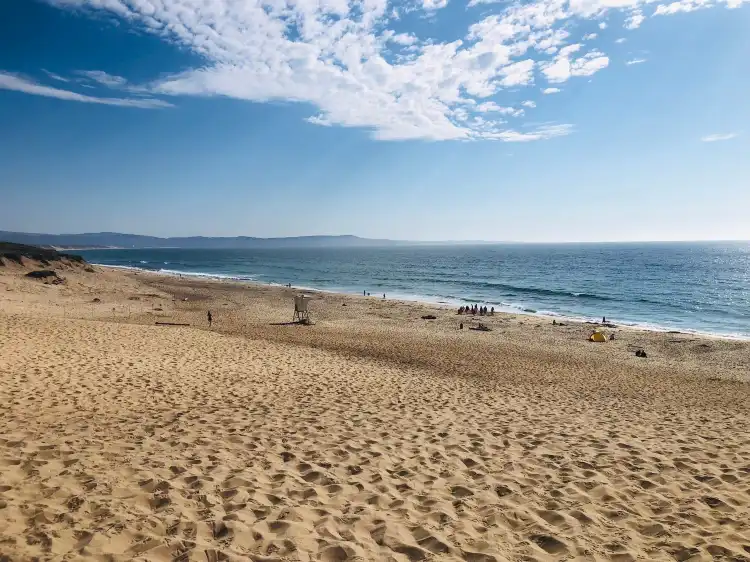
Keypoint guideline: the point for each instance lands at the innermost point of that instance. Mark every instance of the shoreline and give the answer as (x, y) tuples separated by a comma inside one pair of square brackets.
[(136, 429), (444, 304)]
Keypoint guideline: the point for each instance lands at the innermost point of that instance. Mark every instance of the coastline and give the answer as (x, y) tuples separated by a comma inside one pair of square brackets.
[(446, 304), (133, 429)]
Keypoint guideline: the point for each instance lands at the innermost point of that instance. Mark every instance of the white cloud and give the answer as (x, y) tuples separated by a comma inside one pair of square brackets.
[(548, 91), (590, 37), (108, 80), (563, 67), (492, 107), (518, 74), (319, 120), (635, 19), (16, 83), (55, 76), (342, 58), (542, 133), (403, 39), (430, 5), (719, 137), (528, 103), (631, 62), (299, 52), (682, 6), (620, 40)]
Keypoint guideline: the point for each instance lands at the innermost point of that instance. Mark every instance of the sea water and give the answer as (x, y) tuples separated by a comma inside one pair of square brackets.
[(701, 287)]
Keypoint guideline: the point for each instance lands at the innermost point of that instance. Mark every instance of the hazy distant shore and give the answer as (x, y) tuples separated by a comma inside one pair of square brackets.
[(84, 248)]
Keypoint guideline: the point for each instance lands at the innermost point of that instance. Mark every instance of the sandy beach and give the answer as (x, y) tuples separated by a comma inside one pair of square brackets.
[(373, 434)]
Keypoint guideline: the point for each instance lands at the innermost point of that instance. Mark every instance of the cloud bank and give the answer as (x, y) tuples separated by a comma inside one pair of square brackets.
[(344, 58)]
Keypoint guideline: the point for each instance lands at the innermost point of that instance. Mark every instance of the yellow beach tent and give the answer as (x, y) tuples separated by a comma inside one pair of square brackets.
[(597, 336)]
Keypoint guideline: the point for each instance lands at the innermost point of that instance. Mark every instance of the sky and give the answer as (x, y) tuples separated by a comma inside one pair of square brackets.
[(539, 120)]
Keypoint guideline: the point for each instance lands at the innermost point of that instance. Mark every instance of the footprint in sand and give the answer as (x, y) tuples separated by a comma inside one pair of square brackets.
[(337, 553), (716, 503), (159, 502), (461, 492), (430, 542), (478, 557), (552, 517), (220, 531), (549, 544)]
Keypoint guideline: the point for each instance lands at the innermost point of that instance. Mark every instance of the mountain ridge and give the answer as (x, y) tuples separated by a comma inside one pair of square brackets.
[(92, 240)]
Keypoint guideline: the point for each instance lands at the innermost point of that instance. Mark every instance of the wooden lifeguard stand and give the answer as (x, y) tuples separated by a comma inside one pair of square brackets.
[(301, 314)]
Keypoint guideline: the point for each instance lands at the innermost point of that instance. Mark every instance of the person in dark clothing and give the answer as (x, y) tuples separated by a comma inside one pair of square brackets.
[(210, 318)]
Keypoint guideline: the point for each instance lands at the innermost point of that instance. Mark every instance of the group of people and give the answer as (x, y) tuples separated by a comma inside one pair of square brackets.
[(474, 310)]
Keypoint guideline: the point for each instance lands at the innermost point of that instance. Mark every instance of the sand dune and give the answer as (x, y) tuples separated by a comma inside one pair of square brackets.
[(365, 437)]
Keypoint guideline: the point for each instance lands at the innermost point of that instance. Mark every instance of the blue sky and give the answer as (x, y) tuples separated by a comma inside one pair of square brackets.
[(549, 120)]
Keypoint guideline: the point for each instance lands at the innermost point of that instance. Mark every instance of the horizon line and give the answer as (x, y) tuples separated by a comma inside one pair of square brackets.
[(436, 242)]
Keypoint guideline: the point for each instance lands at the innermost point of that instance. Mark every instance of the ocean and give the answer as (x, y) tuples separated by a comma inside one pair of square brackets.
[(692, 287)]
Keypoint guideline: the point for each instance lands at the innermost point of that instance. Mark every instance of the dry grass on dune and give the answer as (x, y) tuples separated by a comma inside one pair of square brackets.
[(369, 436)]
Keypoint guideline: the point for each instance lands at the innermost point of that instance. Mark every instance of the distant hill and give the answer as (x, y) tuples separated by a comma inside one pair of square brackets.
[(118, 240)]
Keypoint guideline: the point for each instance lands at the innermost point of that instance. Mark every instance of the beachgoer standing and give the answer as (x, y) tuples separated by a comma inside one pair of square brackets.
[(210, 318)]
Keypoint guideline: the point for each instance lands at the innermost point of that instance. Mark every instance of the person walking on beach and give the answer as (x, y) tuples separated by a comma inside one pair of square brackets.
[(210, 318)]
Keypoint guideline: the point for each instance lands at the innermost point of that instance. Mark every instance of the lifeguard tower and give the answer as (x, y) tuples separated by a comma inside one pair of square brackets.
[(301, 314)]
